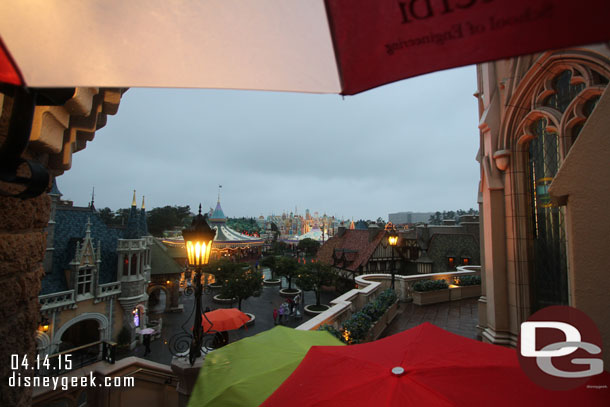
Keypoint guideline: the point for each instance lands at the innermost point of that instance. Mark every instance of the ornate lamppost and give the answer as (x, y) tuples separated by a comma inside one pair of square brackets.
[(392, 241), (198, 241)]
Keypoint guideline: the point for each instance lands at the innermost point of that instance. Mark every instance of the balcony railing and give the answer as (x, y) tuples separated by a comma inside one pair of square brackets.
[(71, 359), (108, 289), (63, 300), (369, 287)]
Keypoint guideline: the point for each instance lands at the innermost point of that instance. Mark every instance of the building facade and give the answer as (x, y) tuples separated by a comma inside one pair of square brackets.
[(96, 277), (544, 181)]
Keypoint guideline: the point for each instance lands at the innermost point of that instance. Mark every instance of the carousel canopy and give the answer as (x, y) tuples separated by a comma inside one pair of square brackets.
[(225, 236)]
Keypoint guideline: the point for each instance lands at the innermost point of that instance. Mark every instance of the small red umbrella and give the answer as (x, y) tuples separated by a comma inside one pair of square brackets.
[(423, 366), (224, 319)]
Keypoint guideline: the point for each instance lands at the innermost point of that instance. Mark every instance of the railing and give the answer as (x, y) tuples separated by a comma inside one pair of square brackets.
[(69, 360), (109, 289), (140, 380), (64, 299), (369, 287)]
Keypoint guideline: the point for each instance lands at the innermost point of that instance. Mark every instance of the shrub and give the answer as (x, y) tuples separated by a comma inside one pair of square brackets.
[(430, 285), (374, 310), (329, 328), (358, 327), (387, 298), (467, 280)]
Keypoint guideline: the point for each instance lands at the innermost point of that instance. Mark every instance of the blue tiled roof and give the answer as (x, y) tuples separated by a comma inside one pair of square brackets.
[(133, 225), (70, 226), (143, 224)]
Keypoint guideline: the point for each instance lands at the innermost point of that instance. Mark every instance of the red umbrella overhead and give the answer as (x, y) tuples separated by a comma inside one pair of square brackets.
[(224, 319), (423, 366), (323, 46)]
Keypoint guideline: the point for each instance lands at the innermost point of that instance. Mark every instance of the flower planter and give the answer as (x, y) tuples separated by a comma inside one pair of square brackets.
[(220, 300), (391, 313), (311, 312), (272, 281), (431, 297), (284, 292), (466, 291), (251, 321), (376, 330)]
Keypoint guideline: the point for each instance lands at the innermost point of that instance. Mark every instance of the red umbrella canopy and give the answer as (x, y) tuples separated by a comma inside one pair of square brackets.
[(325, 46), (224, 319), (423, 366)]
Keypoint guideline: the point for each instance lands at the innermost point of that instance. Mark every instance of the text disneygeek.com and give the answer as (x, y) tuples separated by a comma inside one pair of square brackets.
[(17, 380)]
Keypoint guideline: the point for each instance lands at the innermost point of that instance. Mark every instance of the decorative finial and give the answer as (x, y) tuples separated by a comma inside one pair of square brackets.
[(200, 209), (143, 207), (92, 197), (219, 186), (133, 201)]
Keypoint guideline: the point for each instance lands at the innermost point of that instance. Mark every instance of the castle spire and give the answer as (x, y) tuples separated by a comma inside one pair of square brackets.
[(143, 206), (133, 201), (92, 198)]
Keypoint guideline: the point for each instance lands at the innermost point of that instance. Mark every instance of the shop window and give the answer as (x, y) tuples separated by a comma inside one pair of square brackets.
[(465, 261), (451, 263)]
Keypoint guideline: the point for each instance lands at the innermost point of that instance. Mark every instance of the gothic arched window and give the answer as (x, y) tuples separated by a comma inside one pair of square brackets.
[(555, 125)]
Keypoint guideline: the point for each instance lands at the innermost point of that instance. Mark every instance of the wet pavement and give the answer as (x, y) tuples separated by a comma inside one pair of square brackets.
[(460, 317), (262, 307)]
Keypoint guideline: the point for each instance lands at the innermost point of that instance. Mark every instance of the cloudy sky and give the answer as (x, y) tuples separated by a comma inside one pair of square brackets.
[(407, 146)]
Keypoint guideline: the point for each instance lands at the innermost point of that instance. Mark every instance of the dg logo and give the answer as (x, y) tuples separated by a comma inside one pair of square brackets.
[(560, 348)]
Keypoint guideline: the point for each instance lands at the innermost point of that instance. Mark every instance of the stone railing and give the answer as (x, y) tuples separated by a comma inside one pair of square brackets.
[(108, 290), (138, 379), (61, 300), (369, 287)]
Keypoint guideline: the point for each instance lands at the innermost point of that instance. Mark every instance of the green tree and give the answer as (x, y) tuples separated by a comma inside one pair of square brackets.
[(289, 268), (222, 269), (271, 263), (313, 276), (242, 283), (167, 218), (279, 248), (309, 246), (107, 216)]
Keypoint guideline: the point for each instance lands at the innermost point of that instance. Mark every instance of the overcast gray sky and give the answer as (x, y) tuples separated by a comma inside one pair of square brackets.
[(407, 146)]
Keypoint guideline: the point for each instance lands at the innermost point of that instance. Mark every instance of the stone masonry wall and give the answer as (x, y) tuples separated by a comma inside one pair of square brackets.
[(22, 248)]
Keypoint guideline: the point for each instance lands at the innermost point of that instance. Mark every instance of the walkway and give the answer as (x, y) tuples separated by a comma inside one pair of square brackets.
[(262, 307), (459, 317)]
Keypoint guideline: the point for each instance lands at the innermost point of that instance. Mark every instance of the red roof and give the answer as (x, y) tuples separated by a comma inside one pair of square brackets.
[(351, 250)]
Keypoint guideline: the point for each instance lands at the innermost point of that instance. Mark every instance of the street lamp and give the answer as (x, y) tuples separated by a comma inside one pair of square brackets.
[(392, 241), (198, 241)]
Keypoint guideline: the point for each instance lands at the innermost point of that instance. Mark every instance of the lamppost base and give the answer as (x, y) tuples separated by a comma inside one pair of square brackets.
[(187, 376)]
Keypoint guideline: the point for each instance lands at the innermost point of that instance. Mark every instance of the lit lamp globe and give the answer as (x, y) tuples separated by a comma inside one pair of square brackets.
[(198, 241), (392, 238)]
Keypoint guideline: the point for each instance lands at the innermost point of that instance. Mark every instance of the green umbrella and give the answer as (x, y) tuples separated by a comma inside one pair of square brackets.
[(246, 372)]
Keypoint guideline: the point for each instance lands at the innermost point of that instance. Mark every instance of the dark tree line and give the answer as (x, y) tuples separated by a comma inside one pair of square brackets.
[(157, 219), (438, 217)]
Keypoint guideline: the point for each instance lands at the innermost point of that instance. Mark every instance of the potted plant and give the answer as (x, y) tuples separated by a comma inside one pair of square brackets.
[(465, 287), (430, 292)]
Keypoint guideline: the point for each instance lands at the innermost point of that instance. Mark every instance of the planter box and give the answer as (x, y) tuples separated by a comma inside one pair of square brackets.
[(376, 330), (431, 297), (466, 291), (391, 312)]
